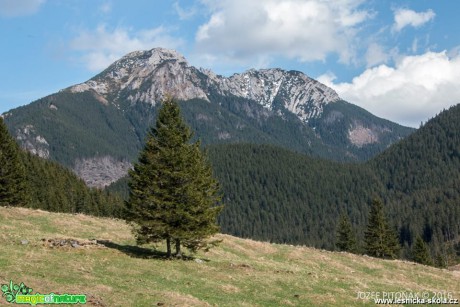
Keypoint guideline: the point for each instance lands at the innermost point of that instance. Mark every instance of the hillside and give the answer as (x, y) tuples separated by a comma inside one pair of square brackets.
[(31, 181), (273, 194), (238, 272), (97, 127), (277, 195), (422, 174)]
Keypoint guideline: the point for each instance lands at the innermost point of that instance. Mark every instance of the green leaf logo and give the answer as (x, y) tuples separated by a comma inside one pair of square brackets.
[(10, 291)]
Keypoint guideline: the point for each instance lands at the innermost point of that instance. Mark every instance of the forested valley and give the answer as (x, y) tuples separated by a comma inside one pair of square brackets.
[(277, 195)]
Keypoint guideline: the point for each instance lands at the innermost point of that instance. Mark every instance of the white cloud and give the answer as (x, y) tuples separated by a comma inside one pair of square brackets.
[(376, 55), (184, 14), (405, 17), (100, 48), (13, 8), (327, 79), (413, 91), (304, 30)]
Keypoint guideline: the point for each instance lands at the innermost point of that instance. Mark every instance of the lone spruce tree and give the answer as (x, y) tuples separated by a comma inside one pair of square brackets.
[(346, 239), (173, 194), (12, 172), (381, 241)]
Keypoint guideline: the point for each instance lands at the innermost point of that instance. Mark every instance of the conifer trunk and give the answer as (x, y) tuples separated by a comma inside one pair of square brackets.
[(178, 252), (168, 247)]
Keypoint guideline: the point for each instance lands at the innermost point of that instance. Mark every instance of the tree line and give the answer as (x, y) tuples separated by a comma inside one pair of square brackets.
[(29, 181)]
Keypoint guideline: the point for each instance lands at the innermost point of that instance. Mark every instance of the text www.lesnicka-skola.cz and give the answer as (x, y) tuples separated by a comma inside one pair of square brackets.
[(415, 298)]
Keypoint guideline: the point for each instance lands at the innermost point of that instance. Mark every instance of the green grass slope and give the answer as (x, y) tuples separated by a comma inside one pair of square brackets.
[(237, 273)]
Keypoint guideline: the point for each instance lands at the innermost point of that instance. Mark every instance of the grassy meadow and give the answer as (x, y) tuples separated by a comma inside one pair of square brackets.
[(239, 272)]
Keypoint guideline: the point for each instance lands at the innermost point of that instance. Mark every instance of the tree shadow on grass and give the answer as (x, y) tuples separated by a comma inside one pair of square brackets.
[(135, 251), (144, 253)]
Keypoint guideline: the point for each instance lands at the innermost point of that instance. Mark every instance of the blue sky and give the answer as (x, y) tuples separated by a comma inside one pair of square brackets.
[(398, 59)]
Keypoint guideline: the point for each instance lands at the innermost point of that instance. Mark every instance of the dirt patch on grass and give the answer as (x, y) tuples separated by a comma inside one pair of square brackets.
[(179, 299), (93, 300), (230, 288)]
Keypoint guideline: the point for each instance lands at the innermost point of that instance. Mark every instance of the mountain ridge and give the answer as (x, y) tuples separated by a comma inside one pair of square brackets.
[(299, 92), (106, 118)]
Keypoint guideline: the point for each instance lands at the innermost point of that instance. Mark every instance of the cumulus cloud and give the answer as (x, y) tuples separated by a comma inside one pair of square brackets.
[(13, 8), (376, 55), (412, 91), (406, 17), (99, 48), (304, 30)]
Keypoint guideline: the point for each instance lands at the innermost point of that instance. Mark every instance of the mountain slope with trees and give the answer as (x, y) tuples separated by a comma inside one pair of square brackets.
[(274, 194), (29, 181), (12, 173), (106, 118)]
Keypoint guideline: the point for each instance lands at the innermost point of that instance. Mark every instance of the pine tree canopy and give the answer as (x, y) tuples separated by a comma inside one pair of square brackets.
[(12, 173), (346, 240), (381, 241), (173, 194)]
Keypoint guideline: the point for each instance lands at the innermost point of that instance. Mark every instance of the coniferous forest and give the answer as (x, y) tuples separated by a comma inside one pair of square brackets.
[(30, 181), (52, 187), (273, 194)]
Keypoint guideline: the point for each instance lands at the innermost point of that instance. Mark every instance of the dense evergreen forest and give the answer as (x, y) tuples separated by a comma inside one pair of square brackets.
[(277, 195), (273, 194), (30, 181), (52, 187)]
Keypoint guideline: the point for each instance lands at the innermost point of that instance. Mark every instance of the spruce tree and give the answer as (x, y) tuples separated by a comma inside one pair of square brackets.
[(346, 240), (381, 241), (421, 252), (12, 173), (173, 194)]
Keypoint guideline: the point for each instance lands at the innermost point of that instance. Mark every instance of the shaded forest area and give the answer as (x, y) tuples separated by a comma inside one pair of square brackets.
[(281, 196)]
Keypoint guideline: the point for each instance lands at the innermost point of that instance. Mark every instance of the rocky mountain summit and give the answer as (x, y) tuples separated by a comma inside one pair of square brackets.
[(146, 76)]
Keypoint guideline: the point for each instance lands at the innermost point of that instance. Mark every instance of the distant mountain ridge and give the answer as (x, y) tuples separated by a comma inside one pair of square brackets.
[(148, 75), (97, 127)]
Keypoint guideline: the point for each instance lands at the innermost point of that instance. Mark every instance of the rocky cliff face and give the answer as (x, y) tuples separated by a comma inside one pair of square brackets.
[(101, 171), (147, 76)]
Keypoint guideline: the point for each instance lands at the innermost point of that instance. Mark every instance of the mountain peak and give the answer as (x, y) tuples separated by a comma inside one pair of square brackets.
[(155, 56), (275, 88), (146, 76)]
